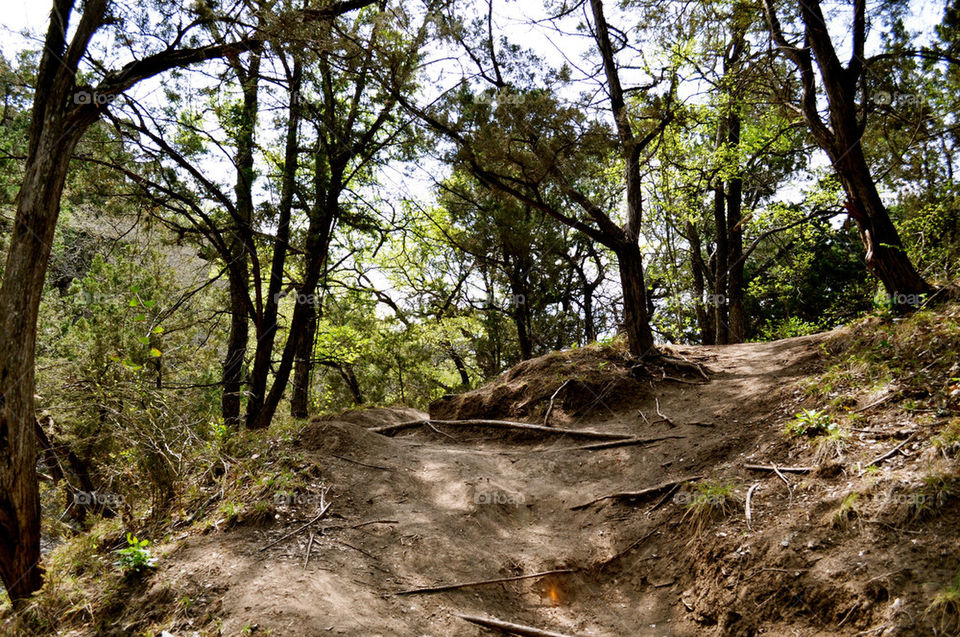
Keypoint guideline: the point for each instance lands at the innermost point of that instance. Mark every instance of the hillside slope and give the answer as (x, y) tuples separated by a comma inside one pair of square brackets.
[(835, 544)]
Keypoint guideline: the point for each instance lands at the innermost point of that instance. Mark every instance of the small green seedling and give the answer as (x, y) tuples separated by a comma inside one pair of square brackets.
[(136, 557), (811, 423)]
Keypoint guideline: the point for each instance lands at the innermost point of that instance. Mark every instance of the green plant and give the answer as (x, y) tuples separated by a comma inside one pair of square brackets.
[(847, 511), (947, 442), (810, 423), (943, 488), (136, 557), (830, 444), (946, 607), (709, 500)]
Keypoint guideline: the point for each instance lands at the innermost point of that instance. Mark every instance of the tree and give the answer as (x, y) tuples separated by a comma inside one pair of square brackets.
[(63, 109), (840, 137), (555, 143)]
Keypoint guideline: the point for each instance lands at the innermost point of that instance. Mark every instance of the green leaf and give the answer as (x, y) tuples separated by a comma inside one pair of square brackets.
[(133, 303), (149, 304), (155, 353), (158, 330), (139, 318), (145, 340)]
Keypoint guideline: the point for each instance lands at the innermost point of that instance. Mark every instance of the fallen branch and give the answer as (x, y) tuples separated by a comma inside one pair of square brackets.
[(749, 498), (632, 546), (883, 457), (684, 363), (683, 380), (318, 517), (306, 558), (659, 413), (786, 482), (499, 580), (501, 424), (546, 418), (619, 443), (876, 403), (766, 467), (510, 629), (362, 464), (635, 495)]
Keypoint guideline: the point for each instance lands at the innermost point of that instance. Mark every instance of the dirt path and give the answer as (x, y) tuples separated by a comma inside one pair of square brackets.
[(446, 505)]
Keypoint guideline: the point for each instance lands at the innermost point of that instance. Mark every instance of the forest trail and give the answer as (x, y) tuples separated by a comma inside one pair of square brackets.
[(437, 505)]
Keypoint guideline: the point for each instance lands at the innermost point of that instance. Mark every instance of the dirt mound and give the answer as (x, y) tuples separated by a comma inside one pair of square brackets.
[(578, 380), (371, 417)]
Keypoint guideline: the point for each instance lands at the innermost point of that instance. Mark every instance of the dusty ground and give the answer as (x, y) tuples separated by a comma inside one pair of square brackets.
[(435, 506)]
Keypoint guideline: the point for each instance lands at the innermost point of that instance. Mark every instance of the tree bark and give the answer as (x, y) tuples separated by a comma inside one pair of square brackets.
[(303, 366), (241, 248), (736, 319), (698, 272), (718, 301), (885, 256), (266, 337), (636, 321), (54, 134)]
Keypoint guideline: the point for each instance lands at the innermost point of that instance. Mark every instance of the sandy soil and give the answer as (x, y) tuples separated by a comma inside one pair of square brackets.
[(440, 505)]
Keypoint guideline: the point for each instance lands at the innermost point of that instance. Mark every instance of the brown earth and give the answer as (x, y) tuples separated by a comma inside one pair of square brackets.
[(441, 505)]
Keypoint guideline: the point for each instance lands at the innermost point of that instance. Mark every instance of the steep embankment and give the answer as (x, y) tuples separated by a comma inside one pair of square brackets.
[(839, 545)]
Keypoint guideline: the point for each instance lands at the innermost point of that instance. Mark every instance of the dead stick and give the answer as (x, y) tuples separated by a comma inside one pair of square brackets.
[(499, 580), (501, 424), (620, 443), (682, 380), (766, 467), (632, 546), (875, 403), (306, 558), (319, 516), (633, 495), (546, 418), (883, 457), (362, 464), (510, 629), (749, 497), (659, 413)]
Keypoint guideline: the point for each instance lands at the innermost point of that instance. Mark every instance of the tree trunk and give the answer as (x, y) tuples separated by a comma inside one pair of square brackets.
[(304, 311), (233, 363), (704, 324), (303, 366), (241, 248), (736, 320), (636, 323), (263, 355), (589, 321), (27, 259), (718, 300), (885, 256), (346, 371), (884, 253)]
